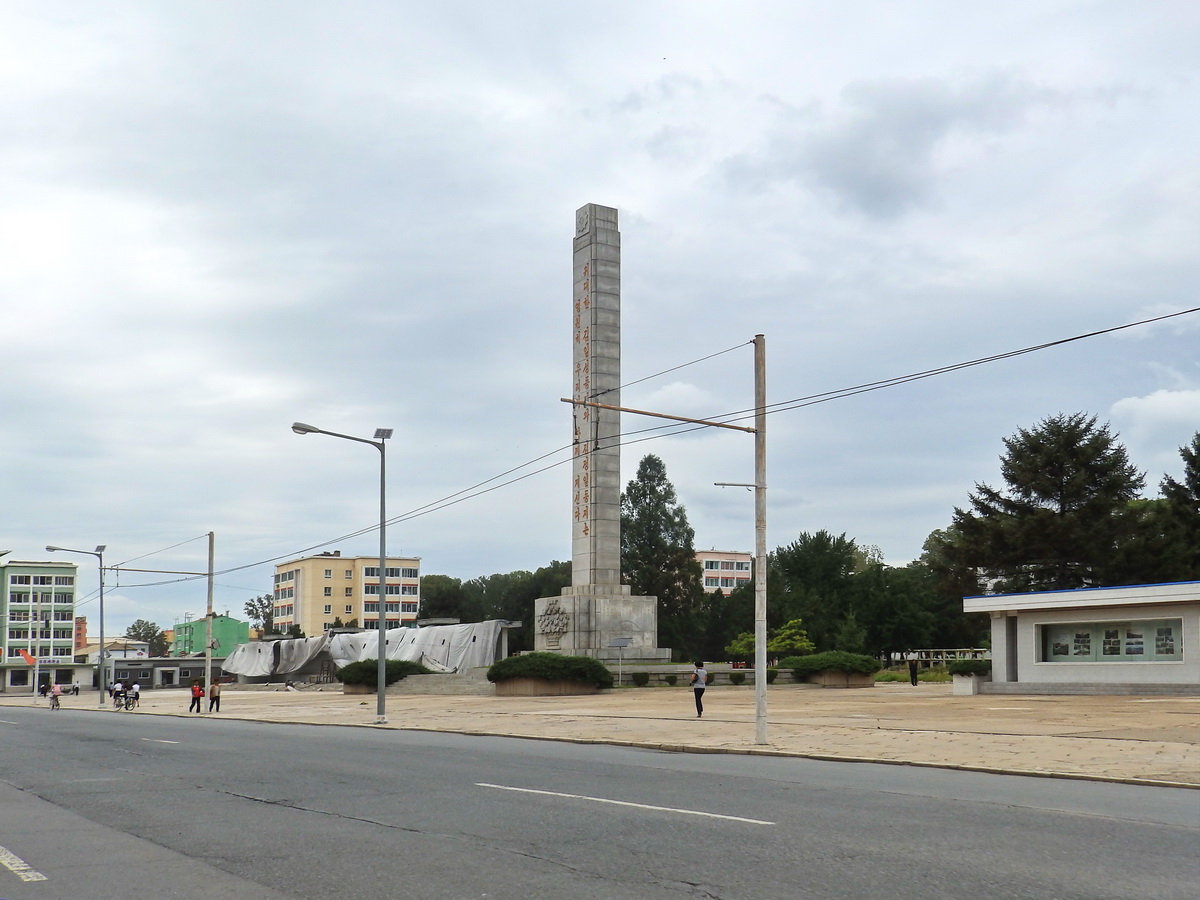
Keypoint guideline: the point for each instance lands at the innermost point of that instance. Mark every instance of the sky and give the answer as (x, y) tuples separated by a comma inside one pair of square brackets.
[(217, 219)]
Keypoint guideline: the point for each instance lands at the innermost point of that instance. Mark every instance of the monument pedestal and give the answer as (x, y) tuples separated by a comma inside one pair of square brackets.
[(588, 620)]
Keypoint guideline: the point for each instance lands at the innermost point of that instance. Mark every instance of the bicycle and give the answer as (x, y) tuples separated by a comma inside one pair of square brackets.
[(121, 701), (54, 704), (130, 701)]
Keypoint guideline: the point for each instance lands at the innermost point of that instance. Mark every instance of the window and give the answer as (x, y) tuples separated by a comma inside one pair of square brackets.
[(285, 593), (727, 582), (43, 579), (408, 607), (409, 573), (349, 593), (1158, 640), (18, 597), (392, 589), (371, 607), (712, 564), (727, 565), (742, 566), (328, 609), (349, 573), (64, 580), (349, 608), (712, 582), (329, 573), (18, 579), (328, 592), (409, 589), (64, 598)]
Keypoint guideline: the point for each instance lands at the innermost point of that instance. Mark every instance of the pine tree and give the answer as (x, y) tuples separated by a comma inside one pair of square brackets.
[(658, 555), (1063, 516)]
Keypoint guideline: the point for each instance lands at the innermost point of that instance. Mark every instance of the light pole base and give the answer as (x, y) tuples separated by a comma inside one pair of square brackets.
[(381, 720)]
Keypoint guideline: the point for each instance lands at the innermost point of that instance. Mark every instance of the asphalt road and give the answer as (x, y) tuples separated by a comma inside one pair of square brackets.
[(114, 806)]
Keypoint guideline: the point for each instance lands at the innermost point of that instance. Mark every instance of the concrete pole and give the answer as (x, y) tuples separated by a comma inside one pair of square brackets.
[(208, 634), (760, 539)]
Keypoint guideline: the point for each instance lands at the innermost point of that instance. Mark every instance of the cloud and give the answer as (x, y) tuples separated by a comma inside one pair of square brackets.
[(882, 150)]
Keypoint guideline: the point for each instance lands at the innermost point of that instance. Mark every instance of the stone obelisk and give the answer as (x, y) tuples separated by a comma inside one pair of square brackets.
[(597, 615)]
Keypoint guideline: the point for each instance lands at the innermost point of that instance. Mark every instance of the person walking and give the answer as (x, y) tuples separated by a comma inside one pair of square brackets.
[(912, 672), (55, 694), (75, 689), (136, 693), (197, 695), (214, 697), (699, 680)]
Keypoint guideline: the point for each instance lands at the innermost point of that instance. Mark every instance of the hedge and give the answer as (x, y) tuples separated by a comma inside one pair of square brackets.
[(833, 661), (970, 667), (366, 671), (552, 667)]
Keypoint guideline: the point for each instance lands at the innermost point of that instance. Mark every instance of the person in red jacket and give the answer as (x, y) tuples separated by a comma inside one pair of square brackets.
[(197, 695)]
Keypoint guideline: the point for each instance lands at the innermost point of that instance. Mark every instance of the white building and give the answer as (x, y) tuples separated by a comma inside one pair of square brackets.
[(38, 611), (1136, 639)]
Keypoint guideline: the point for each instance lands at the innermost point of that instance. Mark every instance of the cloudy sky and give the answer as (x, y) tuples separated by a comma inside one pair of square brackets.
[(219, 218)]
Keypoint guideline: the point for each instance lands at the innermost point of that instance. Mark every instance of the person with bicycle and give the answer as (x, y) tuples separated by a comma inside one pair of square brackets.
[(55, 694), (118, 695), (135, 694)]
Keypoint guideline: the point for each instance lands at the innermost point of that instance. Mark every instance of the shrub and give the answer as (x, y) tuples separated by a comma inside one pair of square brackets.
[(772, 674), (672, 680), (552, 667), (970, 667), (640, 679), (832, 661), (891, 676), (366, 671), (737, 677)]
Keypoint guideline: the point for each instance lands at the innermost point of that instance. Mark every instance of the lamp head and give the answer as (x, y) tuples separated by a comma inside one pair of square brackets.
[(301, 428), (383, 434), (100, 548), (52, 548)]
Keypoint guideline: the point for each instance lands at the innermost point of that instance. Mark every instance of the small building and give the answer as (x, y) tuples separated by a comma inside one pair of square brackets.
[(1113, 640), (725, 570)]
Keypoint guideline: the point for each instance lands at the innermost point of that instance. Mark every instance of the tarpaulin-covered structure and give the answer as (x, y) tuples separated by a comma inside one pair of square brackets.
[(442, 648)]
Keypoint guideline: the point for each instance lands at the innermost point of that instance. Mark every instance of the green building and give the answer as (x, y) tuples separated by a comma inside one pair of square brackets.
[(227, 633)]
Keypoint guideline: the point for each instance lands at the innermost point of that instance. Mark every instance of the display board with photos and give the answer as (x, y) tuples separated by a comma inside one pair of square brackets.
[(1146, 641)]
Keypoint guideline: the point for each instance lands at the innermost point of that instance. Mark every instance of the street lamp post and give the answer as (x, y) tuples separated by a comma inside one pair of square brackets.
[(381, 435), (99, 554)]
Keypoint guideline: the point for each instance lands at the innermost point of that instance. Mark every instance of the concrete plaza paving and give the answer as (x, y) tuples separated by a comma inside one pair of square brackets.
[(1132, 739)]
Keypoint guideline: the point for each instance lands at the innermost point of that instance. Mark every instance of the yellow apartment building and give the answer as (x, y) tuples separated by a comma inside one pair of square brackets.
[(313, 591)]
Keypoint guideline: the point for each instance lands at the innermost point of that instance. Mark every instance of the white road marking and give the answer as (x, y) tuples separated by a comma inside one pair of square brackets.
[(19, 867), (157, 741), (671, 809), (6, 722)]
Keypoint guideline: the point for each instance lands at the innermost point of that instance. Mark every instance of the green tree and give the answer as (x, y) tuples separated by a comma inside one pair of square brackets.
[(1182, 525), (442, 597), (790, 639), (1064, 512), (658, 556), (141, 630), (261, 612), (850, 637), (810, 579)]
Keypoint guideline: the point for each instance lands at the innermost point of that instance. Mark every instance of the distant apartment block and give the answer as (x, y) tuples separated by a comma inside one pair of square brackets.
[(724, 569), (315, 591), (38, 610)]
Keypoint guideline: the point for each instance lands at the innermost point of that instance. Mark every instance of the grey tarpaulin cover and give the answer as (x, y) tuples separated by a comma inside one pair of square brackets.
[(252, 660), (440, 647), (295, 654)]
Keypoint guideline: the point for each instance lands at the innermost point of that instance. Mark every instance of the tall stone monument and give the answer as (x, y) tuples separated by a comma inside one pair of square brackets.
[(597, 615)]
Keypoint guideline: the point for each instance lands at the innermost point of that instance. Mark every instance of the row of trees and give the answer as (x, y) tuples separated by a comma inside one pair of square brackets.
[(1070, 515)]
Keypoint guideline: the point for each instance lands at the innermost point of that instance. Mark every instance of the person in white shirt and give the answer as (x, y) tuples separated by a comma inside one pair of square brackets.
[(699, 680)]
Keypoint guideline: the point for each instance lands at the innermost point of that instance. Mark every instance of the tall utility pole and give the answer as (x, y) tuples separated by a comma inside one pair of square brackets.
[(760, 539), (760, 518), (208, 639)]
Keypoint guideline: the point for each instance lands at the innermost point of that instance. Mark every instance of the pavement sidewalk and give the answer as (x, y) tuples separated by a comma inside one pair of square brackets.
[(1131, 739)]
